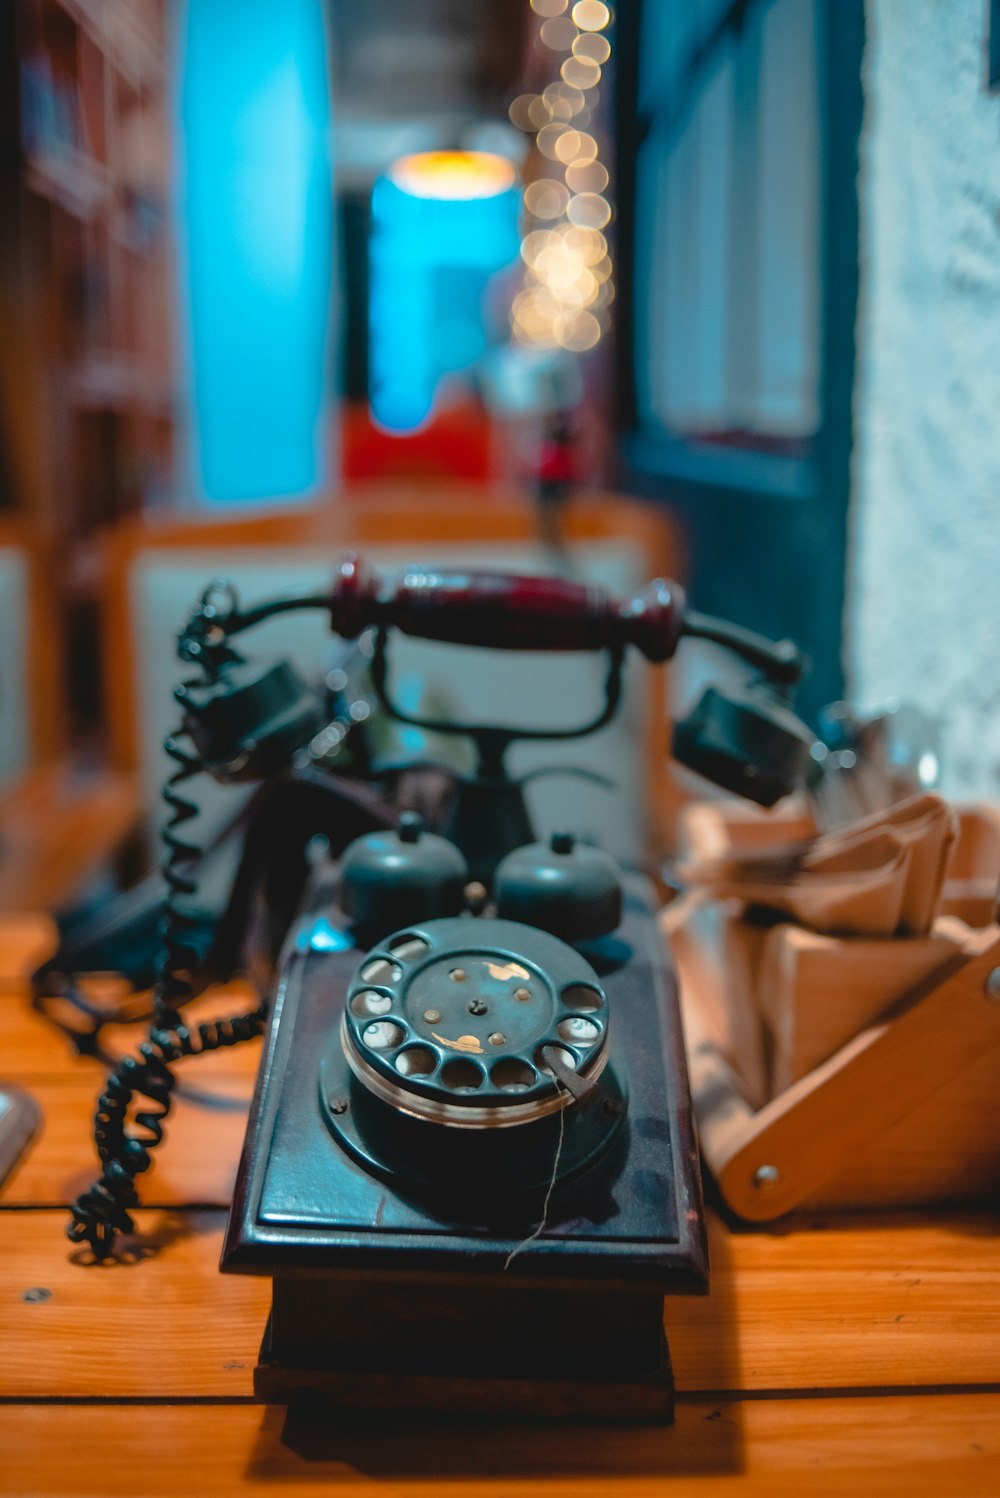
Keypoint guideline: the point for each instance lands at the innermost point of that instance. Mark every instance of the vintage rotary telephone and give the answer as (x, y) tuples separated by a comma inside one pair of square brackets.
[(470, 1167)]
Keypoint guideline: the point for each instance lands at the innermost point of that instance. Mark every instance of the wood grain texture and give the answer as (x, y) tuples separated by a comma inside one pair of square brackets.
[(904, 1304), (816, 992), (946, 1150), (43, 644), (196, 1164), (908, 1446), (28, 939), (913, 1304), (210, 1104), (163, 1322), (37, 1050), (815, 1130), (905, 1113), (58, 827)]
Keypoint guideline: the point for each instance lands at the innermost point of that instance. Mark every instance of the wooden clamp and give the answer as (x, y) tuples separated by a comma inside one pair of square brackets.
[(769, 1161)]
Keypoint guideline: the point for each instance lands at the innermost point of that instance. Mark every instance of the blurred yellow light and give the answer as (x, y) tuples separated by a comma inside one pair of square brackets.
[(563, 100), (558, 33), (585, 146), (586, 176), (589, 244), (590, 15), (568, 146), (580, 72), (558, 107), (543, 305), (546, 198), (533, 244), (538, 340), (539, 111), (575, 291), (589, 210), (548, 268), (577, 331), (527, 312), (519, 112), (567, 266), (453, 174), (548, 140), (592, 47), (533, 316)]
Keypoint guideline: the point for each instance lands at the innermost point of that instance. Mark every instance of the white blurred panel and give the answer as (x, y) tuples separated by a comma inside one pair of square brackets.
[(545, 690), (681, 333), (14, 734), (788, 221), (713, 229), (744, 240)]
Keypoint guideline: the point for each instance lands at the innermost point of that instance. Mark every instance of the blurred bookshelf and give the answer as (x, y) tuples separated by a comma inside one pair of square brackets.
[(86, 290)]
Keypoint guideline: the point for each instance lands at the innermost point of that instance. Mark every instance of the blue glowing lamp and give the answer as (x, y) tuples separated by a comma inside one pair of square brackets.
[(443, 223), (256, 234)]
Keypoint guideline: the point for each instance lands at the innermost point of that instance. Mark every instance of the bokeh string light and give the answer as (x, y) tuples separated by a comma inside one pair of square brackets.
[(568, 271)]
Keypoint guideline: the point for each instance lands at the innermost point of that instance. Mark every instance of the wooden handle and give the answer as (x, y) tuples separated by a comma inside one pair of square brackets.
[(505, 611)]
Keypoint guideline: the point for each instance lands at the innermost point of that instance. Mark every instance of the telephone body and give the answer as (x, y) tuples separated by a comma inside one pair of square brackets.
[(470, 1167)]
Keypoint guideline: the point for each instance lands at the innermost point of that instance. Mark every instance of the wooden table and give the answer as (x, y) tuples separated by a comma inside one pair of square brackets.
[(838, 1355)]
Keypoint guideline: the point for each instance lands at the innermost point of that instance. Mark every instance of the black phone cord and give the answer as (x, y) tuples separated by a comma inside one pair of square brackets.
[(104, 1211), (178, 956)]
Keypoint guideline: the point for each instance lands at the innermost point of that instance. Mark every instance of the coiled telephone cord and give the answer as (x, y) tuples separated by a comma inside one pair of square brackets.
[(100, 1214), (178, 957)]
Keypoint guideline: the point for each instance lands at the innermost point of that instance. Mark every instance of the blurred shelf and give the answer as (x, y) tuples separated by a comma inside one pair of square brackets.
[(89, 339), (70, 178), (112, 383), (128, 33), (58, 827)]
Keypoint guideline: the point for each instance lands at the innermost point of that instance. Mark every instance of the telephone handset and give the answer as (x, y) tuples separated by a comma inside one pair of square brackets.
[(472, 1114)]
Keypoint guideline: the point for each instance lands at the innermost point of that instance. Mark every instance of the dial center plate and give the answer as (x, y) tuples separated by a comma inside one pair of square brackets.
[(459, 1019)]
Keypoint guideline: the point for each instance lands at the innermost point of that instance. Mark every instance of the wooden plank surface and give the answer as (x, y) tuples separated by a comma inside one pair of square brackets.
[(35, 1049), (844, 1307), (906, 1305), (210, 1104), (906, 1446), (60, 824), (195, 1164)]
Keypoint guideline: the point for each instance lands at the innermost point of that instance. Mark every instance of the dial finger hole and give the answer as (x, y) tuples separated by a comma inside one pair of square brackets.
[(582, 996), (381, 970), (578, 1030), (462, 1076), (408, 947), (367, 1004), (383, 1035), (512, 1075), (416, 1061)]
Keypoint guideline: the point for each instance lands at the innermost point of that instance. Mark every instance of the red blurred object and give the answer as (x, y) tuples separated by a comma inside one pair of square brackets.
[(558, 463), (456, 443)]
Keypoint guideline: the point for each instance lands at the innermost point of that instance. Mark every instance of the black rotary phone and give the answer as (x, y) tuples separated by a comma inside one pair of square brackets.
[(470, 1168)]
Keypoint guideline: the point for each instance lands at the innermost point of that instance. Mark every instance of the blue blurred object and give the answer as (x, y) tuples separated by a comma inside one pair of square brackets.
[(443, 223), (256, 237)]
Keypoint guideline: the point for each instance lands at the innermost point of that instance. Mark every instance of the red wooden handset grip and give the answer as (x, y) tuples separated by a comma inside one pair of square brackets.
[(504, 611)]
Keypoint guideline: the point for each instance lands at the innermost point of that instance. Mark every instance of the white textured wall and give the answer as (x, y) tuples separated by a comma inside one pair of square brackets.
[(924, 612)]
